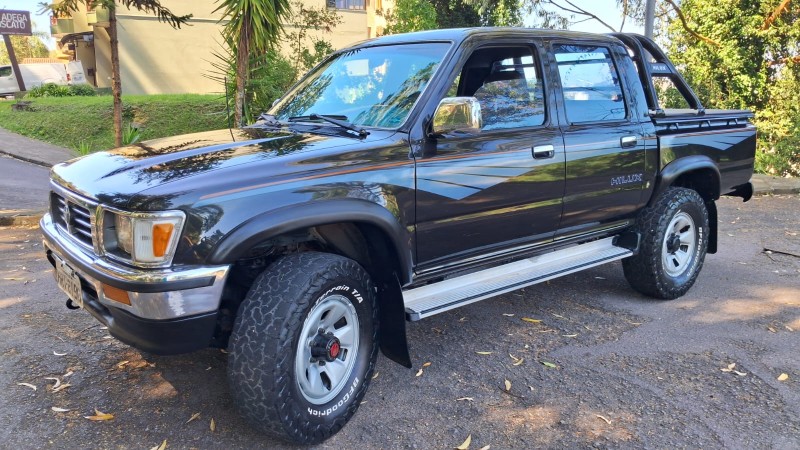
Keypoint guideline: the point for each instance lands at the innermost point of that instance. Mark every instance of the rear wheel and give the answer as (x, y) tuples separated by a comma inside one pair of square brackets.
[(674, 242), (304, 346)]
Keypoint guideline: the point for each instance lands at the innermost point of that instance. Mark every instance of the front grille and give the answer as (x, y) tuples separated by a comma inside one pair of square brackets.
[(72, 217)]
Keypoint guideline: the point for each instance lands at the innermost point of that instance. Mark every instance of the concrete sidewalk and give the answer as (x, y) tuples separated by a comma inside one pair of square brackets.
[(44, 154), (33, 151)]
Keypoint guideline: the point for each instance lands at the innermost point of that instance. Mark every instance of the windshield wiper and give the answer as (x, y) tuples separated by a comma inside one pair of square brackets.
[(337, 120), (268, 120)]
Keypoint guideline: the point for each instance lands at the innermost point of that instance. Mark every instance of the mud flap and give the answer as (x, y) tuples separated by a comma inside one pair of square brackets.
[(393, 322), (711, 207)]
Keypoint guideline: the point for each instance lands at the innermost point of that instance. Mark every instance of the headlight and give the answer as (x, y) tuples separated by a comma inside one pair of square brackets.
[(147, 239)]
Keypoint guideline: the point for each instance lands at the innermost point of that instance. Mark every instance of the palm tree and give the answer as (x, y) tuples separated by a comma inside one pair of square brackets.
[(254, 27), (149, 6)]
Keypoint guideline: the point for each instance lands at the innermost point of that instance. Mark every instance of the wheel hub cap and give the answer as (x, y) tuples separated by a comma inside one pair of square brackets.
[(680, 244), (325, 347)]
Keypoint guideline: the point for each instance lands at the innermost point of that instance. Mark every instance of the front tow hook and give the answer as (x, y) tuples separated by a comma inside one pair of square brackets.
[(71, 304)]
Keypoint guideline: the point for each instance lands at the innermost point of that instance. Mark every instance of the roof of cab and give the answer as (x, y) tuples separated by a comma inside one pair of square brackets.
[(457, 35)]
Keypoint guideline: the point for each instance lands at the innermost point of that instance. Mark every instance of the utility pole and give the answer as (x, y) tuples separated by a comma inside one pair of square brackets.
[(649, 18)]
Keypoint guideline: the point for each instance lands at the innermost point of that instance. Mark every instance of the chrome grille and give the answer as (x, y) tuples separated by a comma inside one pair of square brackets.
[(72, 217)]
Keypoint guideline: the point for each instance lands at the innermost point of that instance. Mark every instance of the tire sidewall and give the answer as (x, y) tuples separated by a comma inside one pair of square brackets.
[(361, 298), (700, 218)]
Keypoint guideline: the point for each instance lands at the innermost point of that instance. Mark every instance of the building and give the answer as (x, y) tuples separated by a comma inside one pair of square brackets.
[(157, 59)]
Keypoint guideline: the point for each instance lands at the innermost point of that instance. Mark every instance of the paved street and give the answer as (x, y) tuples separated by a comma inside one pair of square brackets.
[(23, 186), (629, 372)]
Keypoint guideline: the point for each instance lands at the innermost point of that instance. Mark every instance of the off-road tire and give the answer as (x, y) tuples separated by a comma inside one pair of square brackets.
[(646, 271), (264, 343)]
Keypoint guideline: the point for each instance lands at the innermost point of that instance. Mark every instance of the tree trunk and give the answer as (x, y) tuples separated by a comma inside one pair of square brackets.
[(242, 69), (116, 83)]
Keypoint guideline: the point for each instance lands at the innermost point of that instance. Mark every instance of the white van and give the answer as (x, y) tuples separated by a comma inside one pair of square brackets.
[(40, 73)]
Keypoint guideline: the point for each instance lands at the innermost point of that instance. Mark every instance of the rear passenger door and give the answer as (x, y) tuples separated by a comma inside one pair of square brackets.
[(603, 139)]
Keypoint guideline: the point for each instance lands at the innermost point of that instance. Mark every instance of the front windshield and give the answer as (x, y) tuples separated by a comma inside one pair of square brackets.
[(373, 86)]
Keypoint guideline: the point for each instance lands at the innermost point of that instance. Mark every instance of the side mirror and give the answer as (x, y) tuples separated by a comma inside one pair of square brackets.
[(457, 114)]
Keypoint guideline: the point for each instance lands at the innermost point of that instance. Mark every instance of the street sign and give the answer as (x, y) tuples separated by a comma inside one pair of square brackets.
[(15, 22)]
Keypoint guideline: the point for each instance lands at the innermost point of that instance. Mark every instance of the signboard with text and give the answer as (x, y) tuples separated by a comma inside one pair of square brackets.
[(15, 22)]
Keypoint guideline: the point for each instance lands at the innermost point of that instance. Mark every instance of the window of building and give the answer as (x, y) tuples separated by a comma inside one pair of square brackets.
[(347, 4), (590, 83)]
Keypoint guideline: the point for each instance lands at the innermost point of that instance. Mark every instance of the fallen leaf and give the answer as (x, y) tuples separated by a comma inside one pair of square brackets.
[(549, 364), (465, 444), (518, 362), (99, 416), (604, 419), (160, 447), (741, 374), (58, 382), (463, 319), (427, 364), (599, 278), (212, 426), (194, 416), (729, 368), (783, 377), (558, 315), (528, 319), (223, 350), (508, 385), (56, 409), (375, 375), (68, 374), (773, 330), (570, 335), (27, 385), (122, 364), (508, 315), (465, 399), (419, 373), (59, 354), (485, 447), (789, 328), (484, 353), (61, 388)]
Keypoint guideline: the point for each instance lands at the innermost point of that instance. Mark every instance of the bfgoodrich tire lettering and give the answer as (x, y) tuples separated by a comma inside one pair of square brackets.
[(273, 324), (674, 241)]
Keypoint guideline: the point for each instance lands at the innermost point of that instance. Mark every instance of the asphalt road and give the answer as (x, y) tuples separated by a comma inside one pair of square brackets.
[(629, 372), (23, 186)]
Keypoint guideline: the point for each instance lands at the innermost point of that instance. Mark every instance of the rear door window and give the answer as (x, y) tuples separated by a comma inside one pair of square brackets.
[(590, 84)]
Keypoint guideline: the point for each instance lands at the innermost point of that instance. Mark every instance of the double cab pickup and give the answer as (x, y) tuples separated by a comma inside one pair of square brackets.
[(402, 177)]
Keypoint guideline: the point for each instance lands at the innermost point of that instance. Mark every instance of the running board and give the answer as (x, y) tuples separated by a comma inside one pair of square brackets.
[(452, 293)]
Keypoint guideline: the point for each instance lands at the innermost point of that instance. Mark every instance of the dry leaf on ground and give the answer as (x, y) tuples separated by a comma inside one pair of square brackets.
[(212, 426), (783, 377), (427, 364), (549, 364), (604, 419), (194, 416), (57, 409), (484, 353), (465, 445), (160, 447), (528, 319), (419, 373), (61, 388), (508, 315), (508, 385), (27, 385), (375, 375), (485, 447), (57, 384), (99, 416), (59, 354), (468, 399)]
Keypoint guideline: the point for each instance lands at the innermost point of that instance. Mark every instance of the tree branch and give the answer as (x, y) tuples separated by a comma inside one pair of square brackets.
[(688, 28), (578, 10), (775, 14)]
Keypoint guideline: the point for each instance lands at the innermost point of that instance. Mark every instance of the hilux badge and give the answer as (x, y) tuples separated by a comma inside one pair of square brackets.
[(627, 179)]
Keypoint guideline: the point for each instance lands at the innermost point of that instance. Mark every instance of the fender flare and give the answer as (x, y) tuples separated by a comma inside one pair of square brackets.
[(680, 166), (282, 220)]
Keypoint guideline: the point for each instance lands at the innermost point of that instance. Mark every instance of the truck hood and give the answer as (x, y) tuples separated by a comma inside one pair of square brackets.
[(194, 163)]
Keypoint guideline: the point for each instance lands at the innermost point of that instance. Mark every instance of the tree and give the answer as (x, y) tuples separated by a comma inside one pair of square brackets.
[(307, 23), (410, 15), (255, 26), (67, 7), (26, 47)]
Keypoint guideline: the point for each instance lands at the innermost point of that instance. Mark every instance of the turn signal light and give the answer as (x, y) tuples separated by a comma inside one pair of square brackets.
[(162, 232), (116, 294)]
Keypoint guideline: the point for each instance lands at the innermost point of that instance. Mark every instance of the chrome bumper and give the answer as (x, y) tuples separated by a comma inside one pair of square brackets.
[(156, 294)]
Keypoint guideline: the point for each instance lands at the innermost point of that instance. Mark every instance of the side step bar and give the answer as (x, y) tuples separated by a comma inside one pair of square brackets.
[(445, 295)]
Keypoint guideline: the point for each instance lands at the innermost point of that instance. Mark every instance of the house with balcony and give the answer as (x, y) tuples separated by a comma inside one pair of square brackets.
[(157, 59)]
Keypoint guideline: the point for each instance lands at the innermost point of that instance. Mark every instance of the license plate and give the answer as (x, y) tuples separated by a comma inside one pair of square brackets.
[(69, 282)]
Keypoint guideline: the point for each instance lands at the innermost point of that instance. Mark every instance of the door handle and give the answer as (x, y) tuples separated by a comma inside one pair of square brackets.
[(543, 151), (628, 141)]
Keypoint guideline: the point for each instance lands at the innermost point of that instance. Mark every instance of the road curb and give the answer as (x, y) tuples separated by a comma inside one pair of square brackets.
[(20, 218), (26, 159)]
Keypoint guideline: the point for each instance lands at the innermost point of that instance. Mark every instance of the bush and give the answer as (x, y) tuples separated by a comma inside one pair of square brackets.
[(49, 90), (82, 90)]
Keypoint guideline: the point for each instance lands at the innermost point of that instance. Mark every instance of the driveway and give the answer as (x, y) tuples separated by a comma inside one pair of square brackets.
[(603, 367)]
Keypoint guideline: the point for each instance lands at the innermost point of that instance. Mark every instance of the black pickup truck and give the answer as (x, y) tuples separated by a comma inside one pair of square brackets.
[(402, 177)]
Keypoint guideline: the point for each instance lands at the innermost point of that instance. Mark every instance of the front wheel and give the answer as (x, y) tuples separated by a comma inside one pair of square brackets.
[(674, 243), (304, 345)]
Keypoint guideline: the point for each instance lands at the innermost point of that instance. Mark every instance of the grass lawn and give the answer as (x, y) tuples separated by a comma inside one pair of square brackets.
[(70, 121)]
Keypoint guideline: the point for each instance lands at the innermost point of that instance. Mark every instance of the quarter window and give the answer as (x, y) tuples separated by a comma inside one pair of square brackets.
[(590, 83)]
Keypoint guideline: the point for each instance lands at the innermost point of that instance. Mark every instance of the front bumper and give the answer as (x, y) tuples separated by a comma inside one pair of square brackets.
[(171, 310)]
